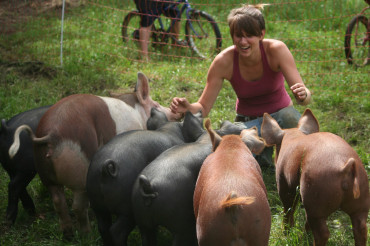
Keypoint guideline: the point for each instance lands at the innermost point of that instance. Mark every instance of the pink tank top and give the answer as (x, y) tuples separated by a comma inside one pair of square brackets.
[(267, 94)]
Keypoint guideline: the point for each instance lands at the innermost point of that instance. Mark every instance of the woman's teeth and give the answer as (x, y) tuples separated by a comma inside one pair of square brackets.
[(245, 48)]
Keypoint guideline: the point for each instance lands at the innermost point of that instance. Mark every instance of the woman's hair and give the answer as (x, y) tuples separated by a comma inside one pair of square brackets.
[(247, 19)]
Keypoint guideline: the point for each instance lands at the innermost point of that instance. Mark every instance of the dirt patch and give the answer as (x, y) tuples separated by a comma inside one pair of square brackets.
[(28, 68), (15, 12)]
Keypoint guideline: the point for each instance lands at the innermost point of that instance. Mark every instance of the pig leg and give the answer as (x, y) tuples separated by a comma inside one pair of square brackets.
[(148, 236), (27, 202), (104, 223), (12, 209), (17, 190), (289, 197), (80, 207), (319, 230), (26, 199), (359, 228), (121, 229), (60, 206)]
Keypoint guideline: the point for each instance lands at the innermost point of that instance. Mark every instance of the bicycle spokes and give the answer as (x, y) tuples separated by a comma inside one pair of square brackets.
[(203, 34), (199, 31), (361, 44)]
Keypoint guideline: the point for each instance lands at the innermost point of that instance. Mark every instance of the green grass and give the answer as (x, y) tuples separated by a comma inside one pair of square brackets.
[(95, 61)]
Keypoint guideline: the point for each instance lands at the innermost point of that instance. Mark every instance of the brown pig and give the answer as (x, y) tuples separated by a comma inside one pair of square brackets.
[(328, 172), (71, 132), (230, 198)]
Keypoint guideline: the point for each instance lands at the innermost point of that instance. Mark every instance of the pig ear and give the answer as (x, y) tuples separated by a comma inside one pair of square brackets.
[(252, 140), (271, 131), (308, 123), (192, 127), (228, 128), (142, 88), (215, 138)]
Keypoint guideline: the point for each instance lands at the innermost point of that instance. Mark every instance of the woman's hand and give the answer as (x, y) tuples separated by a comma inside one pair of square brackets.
[(301, 93), (179, 105)]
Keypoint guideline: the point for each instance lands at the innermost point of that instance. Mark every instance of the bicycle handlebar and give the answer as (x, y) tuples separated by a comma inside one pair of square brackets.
[(177, 2)]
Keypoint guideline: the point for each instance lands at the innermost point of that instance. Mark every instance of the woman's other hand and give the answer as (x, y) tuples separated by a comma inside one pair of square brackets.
[(179, 105), (301, 93)]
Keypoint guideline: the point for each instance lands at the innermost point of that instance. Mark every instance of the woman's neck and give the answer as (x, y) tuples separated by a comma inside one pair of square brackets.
[(251, 67), (254, 59)]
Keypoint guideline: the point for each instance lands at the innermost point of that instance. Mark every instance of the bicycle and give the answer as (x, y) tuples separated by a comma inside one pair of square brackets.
[(202, 33), (357, 39)]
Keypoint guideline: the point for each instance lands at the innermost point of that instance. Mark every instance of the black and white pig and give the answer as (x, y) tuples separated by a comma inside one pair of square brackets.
[(21, 169), (163, 192), (116, 165)]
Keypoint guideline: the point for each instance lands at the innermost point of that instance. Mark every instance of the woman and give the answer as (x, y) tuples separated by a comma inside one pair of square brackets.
[(256, 68)]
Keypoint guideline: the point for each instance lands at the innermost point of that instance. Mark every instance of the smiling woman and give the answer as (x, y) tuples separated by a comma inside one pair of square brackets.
[(256, 68)]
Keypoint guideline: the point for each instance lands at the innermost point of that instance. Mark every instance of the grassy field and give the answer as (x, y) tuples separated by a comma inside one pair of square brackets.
[(95, 61)]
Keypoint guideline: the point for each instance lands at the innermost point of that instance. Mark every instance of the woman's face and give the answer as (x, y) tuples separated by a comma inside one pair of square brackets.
[(247, 45)]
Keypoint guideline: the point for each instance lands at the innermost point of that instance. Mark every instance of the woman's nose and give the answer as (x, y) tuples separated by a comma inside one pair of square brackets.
[(243, 40)]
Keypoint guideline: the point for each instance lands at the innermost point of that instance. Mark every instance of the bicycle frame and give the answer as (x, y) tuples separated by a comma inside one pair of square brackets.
[(186, 6)]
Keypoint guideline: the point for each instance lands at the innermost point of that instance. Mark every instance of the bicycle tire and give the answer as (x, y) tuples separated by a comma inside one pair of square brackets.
[(126, 29), (203, 22), (353, 53)]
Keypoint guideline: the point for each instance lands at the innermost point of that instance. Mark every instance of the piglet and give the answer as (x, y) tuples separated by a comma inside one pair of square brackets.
[(71, 132), (21, 169), (328, 171), (230, 197), (163, 192), (116, 165)]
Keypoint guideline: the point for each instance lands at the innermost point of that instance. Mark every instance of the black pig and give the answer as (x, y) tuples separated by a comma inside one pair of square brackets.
[(163, 192), (21, 169), (116, 165)]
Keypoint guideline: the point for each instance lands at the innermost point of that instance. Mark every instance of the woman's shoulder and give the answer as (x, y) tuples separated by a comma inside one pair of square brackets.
[(276, 52), (223, 63), (274, 46), (225, 56), (228, 52)]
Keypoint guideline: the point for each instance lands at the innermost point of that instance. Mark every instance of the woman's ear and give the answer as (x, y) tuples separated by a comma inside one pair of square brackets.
[(263, 33)]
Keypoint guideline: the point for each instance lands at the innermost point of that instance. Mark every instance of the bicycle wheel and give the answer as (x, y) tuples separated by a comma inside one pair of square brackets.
[(130, 32), (356, 41), (203, 34)]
